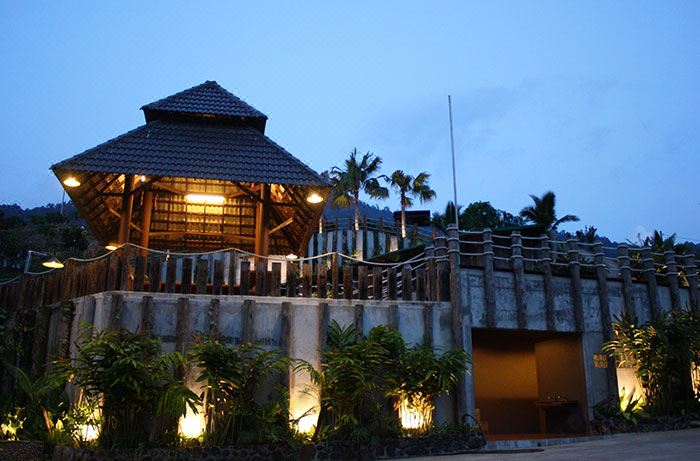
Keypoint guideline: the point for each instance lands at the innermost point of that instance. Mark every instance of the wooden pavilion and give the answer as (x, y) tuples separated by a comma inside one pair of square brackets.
[(200, 174)]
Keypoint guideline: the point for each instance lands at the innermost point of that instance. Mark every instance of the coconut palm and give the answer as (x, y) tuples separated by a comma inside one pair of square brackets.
[(543, 212), (357, 176), (410, 188)]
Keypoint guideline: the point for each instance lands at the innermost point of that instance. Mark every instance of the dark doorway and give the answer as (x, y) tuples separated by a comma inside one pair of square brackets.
[(528, 383)]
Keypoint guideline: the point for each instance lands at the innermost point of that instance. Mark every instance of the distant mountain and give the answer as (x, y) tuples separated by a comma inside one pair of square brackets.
[(70, 213), (371, 211)]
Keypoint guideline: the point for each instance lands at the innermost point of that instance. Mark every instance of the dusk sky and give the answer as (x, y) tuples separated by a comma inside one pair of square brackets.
[(597, 101)]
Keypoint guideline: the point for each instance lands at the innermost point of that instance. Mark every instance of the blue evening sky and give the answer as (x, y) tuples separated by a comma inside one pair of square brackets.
[(597, 101)]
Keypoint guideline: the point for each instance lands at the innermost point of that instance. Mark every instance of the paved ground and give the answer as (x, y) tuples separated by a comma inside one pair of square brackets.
[(672, 445)]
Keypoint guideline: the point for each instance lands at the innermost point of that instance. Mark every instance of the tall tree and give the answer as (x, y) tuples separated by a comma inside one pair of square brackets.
[(410, 188), (442, 220), (543, 212), (357, 176)]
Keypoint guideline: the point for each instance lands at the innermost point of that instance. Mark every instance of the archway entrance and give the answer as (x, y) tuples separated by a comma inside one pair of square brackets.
[(529, 384)]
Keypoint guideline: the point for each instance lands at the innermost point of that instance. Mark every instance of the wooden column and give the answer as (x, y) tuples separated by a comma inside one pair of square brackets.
[(626, 273), (652, 289), (127, 207), (461, 327), (576, 289), (672, 277), (146, 213), (489, 282), (691, 272), (519, 278), (262, 228)]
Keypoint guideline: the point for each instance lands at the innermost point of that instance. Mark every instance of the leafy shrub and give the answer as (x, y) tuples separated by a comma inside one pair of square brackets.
[(234, 375), (132, 379), (662, 353), (363, 382)]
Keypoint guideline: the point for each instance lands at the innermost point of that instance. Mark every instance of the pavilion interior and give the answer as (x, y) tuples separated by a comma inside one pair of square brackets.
[(529, 384)]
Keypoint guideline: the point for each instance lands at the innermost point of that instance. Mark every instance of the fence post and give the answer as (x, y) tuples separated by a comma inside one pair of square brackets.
[(489, 283), (546, 261), (347, 281), (202, 275), (154, 274), (691, 272), (626, 273), (170, 275), (406, 288), (362, 281), (376, 283), (576, 295), (431, 269), (461, 327), (244, 289), (391, 283), (260, 278), (443, 270), (605, 317), (519, 278), (321, 275), (218, 278), (291, 279), (232, 268), (672, 277), (335, 276), (650, 275)]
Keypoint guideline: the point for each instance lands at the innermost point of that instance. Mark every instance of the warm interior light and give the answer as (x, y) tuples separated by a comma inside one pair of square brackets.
[(111, 247), (314, 197), (291, 256), (53, 263), (70, 181), (205, 199)]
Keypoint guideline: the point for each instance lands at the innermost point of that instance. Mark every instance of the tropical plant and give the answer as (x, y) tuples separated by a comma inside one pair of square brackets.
[(356, 176), (234, 375), (662, 353), (131, 377), (410, 188), (587, 234), (442, 220), (482, 215), (543, 212)]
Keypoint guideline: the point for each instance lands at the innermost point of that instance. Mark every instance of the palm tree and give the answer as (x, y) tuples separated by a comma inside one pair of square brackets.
[(442, 220), (409, 188), (543, 212), (355, 177)]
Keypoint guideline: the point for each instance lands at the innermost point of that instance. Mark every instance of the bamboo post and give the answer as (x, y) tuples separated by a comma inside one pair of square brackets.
[(691, 272), (218, 279), (347, 281), (362, 282), (489, 282), (321, 287), (576, 294), (276, 279), (291, 280), (431, 273), (548, 282), (626, 273), (170, 275), (201, 276), (233, 263), (376, 283), (260, 273), (154, 275), (244, 288), (186, 283), (461, 327), (420, 284), (391, 283), (672, 277), (406, 285), (652, 287), (306, 280), (519, 278), (335, 276), (139, 273)]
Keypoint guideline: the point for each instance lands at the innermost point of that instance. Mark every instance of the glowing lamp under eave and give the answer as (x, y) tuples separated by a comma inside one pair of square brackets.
[(314, 197), (70, 181), (205, 199), (53, 263), (291, 257)]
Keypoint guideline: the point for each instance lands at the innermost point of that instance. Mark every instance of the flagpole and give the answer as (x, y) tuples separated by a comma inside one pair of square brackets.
[(454, 174)]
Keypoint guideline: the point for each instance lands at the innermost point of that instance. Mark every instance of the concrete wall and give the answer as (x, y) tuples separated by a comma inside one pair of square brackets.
[(303, 341), (598, 384)]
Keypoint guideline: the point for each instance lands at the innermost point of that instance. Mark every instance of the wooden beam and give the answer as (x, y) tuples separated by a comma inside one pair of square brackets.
[(146, 220), (281, 225), (119, 215), (127, 208), (262, 230)]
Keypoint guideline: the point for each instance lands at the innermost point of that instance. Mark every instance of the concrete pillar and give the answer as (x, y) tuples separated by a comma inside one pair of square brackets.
[(672, 277), (546, 263), (652, 289), (519, 278), (431, 277), (461, 327), (626, 274), (576, 296), (489, 284), (691, 272)]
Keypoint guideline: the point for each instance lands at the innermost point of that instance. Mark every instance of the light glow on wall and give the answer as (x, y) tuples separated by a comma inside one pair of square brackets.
[(191, 425), (416, 413), (89, 432)]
